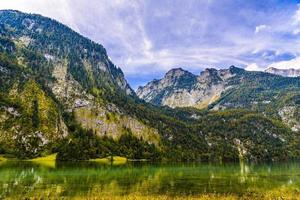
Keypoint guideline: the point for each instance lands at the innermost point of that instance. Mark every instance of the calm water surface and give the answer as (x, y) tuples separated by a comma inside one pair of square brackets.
[(28, 179)]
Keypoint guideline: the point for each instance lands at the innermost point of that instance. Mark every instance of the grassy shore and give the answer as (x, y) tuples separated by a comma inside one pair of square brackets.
[(2, 158), (116, 160), (48, 161), (51, 157)]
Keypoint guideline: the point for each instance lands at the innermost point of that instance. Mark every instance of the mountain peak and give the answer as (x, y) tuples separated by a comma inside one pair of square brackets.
[(178, 70), (209, 72), (88, 60), (235, 70), (182, 88)]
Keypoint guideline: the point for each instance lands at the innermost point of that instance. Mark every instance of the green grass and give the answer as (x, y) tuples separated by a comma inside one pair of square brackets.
[(51, 157), (48, 161), (2, 158), (117, 160)]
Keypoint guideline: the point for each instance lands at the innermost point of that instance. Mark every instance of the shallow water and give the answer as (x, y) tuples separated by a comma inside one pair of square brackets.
[(88, 179)]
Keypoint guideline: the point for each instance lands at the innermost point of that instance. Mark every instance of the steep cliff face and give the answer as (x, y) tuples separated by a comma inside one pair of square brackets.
[(163, 92), (47, 69), (232, 88), (180, 88), (284, 72), (45, 46)]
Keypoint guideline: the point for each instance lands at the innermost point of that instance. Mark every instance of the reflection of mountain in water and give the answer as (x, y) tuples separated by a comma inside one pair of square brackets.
[(90, 179)]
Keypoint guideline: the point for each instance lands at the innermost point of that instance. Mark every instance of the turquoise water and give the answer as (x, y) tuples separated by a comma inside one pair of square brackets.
[(28, 179)]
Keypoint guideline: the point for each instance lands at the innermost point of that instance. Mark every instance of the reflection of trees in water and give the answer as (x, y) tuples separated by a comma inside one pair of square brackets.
[(244, 171), (270, 177), (17, 178), (88, 179)]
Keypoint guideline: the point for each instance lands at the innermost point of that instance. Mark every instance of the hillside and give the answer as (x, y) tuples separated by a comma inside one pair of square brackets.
[(60, 93), (48, 71), (186, 89), (273, 95)]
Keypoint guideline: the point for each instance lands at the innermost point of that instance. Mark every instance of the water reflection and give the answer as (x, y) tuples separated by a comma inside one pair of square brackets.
[(25, 179)]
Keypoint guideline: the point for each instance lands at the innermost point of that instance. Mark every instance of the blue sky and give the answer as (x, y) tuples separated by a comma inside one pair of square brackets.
[(146, 38)]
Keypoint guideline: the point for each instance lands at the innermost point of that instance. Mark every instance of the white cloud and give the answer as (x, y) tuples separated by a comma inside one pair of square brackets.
[(254, 67), (296, 16), (58, 9), (261, 28), (143, 37), (296, 31), (294, 63), (289, 64)]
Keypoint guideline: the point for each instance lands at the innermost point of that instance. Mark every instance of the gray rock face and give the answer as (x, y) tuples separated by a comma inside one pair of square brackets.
[(67, 56), (284, 72), (75, 73), (180, 88)]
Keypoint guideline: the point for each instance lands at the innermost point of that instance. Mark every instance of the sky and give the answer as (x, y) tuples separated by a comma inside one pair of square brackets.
[(146, 38)]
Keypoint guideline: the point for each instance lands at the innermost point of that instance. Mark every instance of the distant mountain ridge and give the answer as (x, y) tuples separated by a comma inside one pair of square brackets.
[(180, 88), (284, 72), (229, 88)]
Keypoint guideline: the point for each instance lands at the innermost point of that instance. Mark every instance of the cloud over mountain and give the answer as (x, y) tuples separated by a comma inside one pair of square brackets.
[(147, 38)]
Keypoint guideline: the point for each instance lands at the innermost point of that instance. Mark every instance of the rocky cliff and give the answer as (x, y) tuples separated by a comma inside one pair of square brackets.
[(180, 88), (273, 95), (47, 69)]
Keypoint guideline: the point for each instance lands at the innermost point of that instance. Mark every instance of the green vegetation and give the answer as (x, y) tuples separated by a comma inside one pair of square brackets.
[(30, 113), (48, 161), (215, 136), (2, 158), (85, 145), (51, 157), (264, 93), (45, 68), (115, 160)]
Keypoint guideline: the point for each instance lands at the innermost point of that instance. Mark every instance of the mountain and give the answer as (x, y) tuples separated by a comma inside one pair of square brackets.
[(231, 88), (174, 80), (60, 93), (179, 88), (48, 70), (284, 72)]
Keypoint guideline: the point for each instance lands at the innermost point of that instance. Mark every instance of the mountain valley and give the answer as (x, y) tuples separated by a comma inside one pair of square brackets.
[(60, 93)]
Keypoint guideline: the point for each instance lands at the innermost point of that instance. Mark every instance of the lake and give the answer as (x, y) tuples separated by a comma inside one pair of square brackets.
[(90, 180)]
